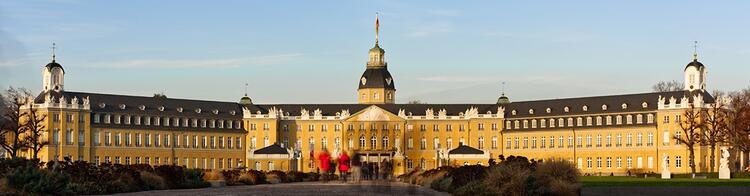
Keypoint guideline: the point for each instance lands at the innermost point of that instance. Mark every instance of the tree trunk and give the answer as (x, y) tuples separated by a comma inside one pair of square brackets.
[(692, 160), (713, 160)]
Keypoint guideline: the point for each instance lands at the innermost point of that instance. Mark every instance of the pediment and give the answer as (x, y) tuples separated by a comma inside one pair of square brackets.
[(374, 113)]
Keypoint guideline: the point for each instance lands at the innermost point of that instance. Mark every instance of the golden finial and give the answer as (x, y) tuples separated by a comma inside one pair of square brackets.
[(377, 27)]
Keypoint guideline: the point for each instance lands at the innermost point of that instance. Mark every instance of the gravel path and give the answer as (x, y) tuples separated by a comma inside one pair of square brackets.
[(304, 188)]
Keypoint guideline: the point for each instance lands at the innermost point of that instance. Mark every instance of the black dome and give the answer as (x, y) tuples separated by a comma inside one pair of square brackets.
[(696, 64), (54, 64), (377, 78)]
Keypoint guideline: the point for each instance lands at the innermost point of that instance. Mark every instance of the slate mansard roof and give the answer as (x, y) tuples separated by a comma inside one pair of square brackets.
[(614, 103), (377, 78), (151, 105), (234, 111), (413, 109)]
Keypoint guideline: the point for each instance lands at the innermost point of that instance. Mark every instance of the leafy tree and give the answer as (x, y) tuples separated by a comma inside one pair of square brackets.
[(668, 86)]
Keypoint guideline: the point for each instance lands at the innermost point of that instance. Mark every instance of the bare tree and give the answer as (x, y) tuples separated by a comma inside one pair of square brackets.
[(715, 129), (11, 129), (668, 86), (738, 120), (34, 130), (691, 126)]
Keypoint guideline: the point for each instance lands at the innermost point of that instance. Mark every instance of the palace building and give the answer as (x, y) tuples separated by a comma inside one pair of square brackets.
[(602, 134)]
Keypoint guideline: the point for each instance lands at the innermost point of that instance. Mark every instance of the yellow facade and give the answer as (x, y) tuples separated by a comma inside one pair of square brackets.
[(602, 135)]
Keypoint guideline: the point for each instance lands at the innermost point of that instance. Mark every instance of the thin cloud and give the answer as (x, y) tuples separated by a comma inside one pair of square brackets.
[(430, 29), (456, 79), (443, 12), (202, 63)]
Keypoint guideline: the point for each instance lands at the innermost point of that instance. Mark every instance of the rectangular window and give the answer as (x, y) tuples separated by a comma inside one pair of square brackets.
[(69, 136), (81, 137)]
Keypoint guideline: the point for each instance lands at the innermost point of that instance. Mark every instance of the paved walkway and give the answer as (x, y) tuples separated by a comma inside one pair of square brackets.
[(665, 190), (305, 188)]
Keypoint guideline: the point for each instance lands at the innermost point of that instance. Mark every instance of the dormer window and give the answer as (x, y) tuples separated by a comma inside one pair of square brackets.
[(624, 106), (198, 110), (513, 112), (604, 107), (585, 108), (179, 109), (102, 105), (122, 106), (549, 110), (232, 112), (161, 108), (215, 111), (644, 104), (142, 107), (566, 109), (531, 111)]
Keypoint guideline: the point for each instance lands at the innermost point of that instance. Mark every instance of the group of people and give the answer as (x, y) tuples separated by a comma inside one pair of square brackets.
[(347, 166)]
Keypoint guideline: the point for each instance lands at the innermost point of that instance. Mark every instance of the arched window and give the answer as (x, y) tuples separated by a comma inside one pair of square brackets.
[(361, 142), (373, 142), (257, 166), (324, 143), (270, 166), (385, 142)]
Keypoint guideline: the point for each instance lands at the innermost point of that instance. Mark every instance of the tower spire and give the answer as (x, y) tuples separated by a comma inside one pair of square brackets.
[(695, 50), (53, 51), (377, 27), (245, 89), (502, 89)]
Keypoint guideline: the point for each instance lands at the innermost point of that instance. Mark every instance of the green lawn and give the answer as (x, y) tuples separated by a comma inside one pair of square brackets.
[(657, 181)]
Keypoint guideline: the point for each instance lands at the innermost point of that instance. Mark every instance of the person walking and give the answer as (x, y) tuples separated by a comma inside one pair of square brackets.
[(325, 164), (343, 166), (356, 169)]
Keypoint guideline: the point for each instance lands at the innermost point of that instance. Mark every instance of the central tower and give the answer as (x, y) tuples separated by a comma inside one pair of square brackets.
[(376, 86)]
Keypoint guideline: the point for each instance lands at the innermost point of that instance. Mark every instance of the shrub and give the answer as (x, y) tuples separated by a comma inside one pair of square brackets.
[(465, 174), (193, 178), (311, 176), (232, 177), (507, 179), (295, 176), (559, 177), (30, 179), (252, 177), (213, 176), (275, 177), (475, 188), (152, 181), (442, 184)]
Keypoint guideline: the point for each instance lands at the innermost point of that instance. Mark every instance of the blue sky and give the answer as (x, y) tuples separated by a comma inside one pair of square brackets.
[(315, 51)]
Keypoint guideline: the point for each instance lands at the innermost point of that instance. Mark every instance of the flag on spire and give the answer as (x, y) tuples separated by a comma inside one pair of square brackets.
[(377, 27)]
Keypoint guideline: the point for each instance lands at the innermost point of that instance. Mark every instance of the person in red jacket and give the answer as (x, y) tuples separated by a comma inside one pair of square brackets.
[(325, 164), (344, 166)]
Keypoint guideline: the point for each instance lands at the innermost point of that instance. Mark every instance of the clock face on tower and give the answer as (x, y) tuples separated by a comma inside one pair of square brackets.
[(364, 80)]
